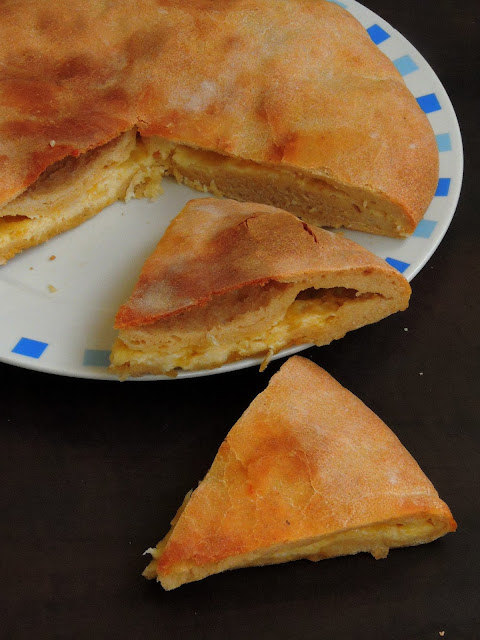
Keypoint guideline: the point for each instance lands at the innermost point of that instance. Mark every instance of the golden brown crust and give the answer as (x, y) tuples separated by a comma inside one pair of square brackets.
[(232, 280), (215, 246), (80, 78), (306, 460)]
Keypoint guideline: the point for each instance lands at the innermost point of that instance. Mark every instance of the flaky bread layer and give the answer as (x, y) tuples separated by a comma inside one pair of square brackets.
[(181, 342), (376, 539), (75, 190)]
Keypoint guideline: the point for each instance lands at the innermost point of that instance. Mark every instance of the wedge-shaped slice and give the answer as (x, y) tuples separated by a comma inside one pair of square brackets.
[(230, 280), (307, 472)]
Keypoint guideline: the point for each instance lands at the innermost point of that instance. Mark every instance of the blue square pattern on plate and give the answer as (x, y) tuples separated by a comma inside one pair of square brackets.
[(429, 103), (96, 358), (405, 65), (425, 228), (30, 348), (443, 187), (444, 142), (398, 264), (377, 34)]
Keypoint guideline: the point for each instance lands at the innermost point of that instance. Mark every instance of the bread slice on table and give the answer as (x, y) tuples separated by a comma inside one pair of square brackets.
[(231, 280), (293, 106), (308, 471)]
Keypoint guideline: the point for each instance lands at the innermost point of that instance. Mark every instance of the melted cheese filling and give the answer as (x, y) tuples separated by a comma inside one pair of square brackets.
[(304, 320), (298, 318), (376, 539)]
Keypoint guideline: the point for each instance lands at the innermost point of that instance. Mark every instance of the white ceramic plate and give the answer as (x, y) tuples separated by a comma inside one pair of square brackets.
[(56, 315)]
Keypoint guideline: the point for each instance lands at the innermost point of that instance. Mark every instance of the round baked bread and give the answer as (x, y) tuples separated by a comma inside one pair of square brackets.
[(287, 102)]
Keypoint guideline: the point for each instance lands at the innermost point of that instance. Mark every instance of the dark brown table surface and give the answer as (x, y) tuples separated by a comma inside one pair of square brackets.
[(92, 471)]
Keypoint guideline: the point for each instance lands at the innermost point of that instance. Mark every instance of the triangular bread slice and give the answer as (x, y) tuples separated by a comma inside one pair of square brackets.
[(293, 106), (231, 280), (308, 471)]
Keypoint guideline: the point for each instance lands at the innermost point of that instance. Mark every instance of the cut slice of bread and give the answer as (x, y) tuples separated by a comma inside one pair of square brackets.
[(231, 280), (308, 471)]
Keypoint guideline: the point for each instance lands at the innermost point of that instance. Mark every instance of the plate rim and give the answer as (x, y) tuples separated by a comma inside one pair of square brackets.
[(361, 13)]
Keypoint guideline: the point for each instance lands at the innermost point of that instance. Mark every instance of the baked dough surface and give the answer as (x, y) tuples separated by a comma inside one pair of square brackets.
[(296, 88), (308, 471)]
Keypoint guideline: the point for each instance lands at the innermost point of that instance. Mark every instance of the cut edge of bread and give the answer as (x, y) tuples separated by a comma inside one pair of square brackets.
[(75, 189), (181, 343), (374, 538)]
